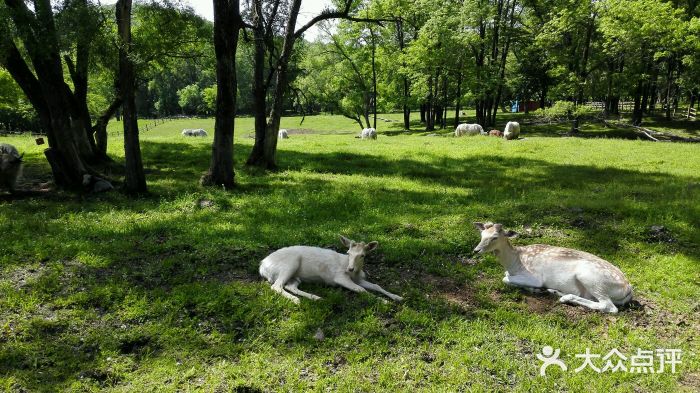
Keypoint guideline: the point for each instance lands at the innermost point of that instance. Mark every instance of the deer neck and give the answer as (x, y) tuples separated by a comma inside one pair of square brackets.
[(509, 257)]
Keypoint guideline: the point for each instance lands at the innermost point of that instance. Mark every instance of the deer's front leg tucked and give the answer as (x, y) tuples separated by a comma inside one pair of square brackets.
[(526, 282), (374, 287)]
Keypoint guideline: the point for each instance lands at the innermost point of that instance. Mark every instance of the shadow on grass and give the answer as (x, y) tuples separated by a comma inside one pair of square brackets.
[(186, 284)]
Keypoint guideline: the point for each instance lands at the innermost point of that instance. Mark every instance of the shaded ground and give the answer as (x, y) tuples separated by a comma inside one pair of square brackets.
[(161, 293)]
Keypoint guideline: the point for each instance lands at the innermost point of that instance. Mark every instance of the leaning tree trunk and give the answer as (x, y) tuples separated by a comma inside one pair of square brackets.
[(100, 128), (62, 113), (135, 179), (227, 24)]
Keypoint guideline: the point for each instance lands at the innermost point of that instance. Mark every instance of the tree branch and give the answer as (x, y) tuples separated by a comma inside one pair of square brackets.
[(337, 14)]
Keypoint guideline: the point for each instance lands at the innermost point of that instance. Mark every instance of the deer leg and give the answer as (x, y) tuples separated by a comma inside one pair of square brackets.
[(374, 287), (293, 287), (603, 304), (528, 283), (346, 282), (279, 284)]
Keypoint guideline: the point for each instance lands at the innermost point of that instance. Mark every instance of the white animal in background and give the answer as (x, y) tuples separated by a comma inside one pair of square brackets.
[(282, 134), (512, 130), (194, 132), (288, 267), (469, 129), (576, 276), (10, 166), (369, 133)]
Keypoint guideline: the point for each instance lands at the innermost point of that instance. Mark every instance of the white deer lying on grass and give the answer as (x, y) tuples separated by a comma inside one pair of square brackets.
[(287, 267), (577, 276)]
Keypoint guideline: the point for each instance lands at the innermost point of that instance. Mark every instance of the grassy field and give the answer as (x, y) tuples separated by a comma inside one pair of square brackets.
[(106, 293)]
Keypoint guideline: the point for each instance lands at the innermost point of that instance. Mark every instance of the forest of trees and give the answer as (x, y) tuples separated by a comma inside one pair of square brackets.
[(67, 67)]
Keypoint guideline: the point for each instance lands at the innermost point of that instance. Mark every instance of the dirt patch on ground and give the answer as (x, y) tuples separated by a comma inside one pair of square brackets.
[(691, 381), (540, 304), (451, 291)]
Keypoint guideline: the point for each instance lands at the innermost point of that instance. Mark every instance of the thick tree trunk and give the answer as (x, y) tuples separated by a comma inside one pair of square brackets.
[(135, 179), (259, 89), (268, 159), (227, 24), (47, 91)]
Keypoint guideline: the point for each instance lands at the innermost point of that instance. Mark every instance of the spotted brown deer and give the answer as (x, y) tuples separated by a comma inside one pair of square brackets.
[(576, 276)]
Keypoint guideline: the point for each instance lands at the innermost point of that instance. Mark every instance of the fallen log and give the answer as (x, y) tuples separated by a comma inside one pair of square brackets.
[(652, 135)]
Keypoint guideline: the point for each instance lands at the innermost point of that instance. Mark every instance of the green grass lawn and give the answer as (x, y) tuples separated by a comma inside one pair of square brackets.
[(162, 294)]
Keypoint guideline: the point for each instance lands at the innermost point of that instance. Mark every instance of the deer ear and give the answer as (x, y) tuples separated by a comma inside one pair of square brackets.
[(346, 242), (498, 227), (479, 226), (371, 246), (512, 234)]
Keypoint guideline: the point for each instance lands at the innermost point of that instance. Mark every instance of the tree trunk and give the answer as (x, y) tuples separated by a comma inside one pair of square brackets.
[(268, 158), (654, 91), (422, 113), (458, 100), (637, 111), (100, 127), (48, 93), (583, 70), (227, 24), (406, 92), (135, 179), (669, 83), (504, 56), (374, 77), (543, 97), (430, 119), (259, 89)]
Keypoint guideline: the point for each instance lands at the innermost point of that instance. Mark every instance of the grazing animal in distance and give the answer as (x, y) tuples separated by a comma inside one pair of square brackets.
[(10, 166), (468, 129), (194, 132), (576, 276), (282, 134), (288, 267), (496, 133), (368, 133), (512, 130)]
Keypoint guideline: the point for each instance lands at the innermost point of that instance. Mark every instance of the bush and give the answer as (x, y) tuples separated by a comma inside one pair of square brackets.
[(566, 110)]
